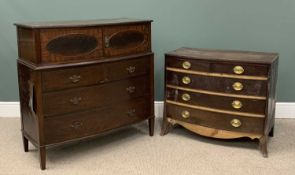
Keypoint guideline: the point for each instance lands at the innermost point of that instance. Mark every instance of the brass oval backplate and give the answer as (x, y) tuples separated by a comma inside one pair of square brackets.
[(186, 97), (238, 86), (236, 123), (186, 80), (238, 70), (237, 104), (186, 65), (185, 114)]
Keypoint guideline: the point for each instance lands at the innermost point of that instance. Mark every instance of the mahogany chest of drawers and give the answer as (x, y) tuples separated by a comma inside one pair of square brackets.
[(78, 79), (221, 94)]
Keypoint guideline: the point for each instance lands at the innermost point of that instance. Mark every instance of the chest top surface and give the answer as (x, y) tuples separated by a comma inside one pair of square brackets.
[(81, 23), (225, 55)]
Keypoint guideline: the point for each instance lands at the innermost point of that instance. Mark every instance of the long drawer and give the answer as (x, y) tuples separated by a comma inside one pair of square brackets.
[(217, 84), (217, 67), (94, 96), (94, 74), (214, 101), (216, 120), (82, 124)]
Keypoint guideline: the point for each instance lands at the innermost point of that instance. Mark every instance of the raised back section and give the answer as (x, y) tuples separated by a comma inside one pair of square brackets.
[(74, 41)]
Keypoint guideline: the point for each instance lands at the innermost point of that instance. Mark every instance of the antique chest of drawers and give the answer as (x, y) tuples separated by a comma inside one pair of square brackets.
[(221, 94), (78, 79)]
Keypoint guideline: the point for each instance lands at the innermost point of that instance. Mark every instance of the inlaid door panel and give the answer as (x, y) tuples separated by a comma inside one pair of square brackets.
[(124, 40), (70, 45)]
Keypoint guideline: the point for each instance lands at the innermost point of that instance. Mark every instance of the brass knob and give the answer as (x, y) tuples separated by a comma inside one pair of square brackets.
[(185, 114), (186, 80), (236, 123), (237, 104), (238, 86), (238, 70), (186, 65), (186, 97)]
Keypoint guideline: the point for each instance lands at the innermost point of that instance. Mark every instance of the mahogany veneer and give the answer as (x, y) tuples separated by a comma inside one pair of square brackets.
[(221, 94), (78, 79)]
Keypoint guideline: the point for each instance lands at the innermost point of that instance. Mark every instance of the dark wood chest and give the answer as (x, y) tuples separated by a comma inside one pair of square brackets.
[(221, 94), (78, 79)]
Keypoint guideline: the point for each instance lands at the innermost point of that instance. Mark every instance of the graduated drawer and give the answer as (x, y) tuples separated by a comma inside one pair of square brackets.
[(83, 124), (94, 74), (230, 68), (77, 99), (216, 120), (217, 84), (227, 103)]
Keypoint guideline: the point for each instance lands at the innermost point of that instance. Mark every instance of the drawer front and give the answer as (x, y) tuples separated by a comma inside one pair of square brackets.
[(125, 40), (70, 45), (124, 69), (218, 84), (95, 96), (216, 120), (218, 102), (218, 67), (82, 124), (72, 77), (94, 74)]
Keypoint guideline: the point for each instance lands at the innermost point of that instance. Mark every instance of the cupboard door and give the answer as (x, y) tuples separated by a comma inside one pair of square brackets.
[(125, 40), (70, 45)]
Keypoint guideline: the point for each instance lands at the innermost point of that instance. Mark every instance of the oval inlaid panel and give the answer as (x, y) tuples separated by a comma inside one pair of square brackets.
[(126, 39), (72, 44)]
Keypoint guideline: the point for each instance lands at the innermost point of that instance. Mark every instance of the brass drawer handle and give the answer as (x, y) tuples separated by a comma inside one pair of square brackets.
[(75, 100), (131, 112), (76, 125), (104, 80), (236, 123), (186, 80), (75, 78), (131, 69), (130, 89), (237, 104), (186, 65), (185, 114), (238, 70), (238, 86), (186, 97)]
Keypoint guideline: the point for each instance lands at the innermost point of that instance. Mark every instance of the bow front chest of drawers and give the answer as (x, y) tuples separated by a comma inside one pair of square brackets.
[(78, 79), (221, 94)]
